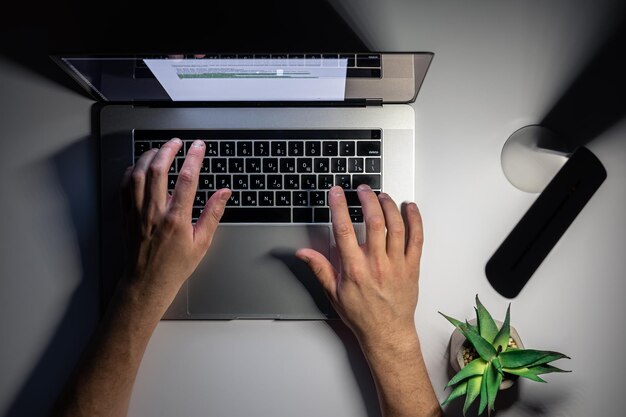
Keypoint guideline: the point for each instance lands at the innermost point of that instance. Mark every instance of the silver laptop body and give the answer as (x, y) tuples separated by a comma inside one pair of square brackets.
[(250, 270)]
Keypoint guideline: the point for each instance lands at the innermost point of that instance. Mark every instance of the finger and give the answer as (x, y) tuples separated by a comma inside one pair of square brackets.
[(138, 179), (322, 268), (415, 233), (342, 226), (374, 220), (125, 189), (156, 189), (395, 227), (211, 215), (187, 182)]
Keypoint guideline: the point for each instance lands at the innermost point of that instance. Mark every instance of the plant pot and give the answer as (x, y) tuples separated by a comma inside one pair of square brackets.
[(458, 343)]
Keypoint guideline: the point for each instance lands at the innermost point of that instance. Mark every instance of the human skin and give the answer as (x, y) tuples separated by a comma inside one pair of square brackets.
[(375, 293)]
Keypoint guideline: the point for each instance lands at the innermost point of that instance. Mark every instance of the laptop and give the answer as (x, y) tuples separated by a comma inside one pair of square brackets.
[(280, 130)]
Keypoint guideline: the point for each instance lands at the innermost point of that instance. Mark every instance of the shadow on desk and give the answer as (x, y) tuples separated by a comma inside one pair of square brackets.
[(76, 174)]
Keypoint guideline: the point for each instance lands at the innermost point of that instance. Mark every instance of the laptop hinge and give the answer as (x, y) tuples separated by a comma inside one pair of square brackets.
[(373, 101), (345, 103)]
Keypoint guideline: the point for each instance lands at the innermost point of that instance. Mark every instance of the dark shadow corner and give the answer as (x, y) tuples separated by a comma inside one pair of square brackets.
[(75, 167), (595, 100)]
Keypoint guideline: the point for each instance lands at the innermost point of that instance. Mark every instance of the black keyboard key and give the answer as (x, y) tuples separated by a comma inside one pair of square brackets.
[(219, 165), (274, 182), (240, 182), (368, 148), (257, 182), (266, 198), (177, 165), (313, 148), (330, 148), (287, 165), (279, 148), (372, 165), (338, 165), (253, 165), (244, 148), (248, 198), (355, 165), (211, 148), (350, 58), (302, 215), (296, 148), (373, 180), (196, 212), (234, 200), (300, 198), (227, 148), (171, 182), (346, 148), (321, 215), (223, 181), (261, 148), (324, 182), (352, 198), (158, 143), (206, 182), (256, 215), (304, 165), (368, 60), (235, 165), (200, 199), (141, 147), (321, 165), (363, 73), (343, 180), (317, 198), (206, 166), (283, 198), (292, 182), (181, 151), (308, 182), (270, 165), (356, 215)]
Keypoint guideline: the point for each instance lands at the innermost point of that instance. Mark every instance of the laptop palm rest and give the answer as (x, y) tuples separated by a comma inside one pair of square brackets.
[(280, 286)]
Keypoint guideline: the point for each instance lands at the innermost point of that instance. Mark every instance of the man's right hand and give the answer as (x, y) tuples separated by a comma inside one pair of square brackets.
[(376, 291)]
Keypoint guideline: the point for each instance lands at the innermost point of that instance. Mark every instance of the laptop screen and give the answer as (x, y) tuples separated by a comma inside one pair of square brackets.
[(323, 77)]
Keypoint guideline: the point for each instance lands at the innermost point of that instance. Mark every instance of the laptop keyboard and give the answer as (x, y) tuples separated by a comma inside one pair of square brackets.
[(364, 65), (276, 176)]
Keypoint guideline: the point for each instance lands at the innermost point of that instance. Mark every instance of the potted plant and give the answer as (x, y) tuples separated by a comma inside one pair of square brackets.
[(489, 356)]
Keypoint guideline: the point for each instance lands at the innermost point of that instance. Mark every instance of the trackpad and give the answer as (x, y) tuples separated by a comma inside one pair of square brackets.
[(251, 271)]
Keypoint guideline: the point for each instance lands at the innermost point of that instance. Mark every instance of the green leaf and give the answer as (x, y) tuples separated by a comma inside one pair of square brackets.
[(496, 363), (528, 357), (455, 322), (502, 338), (483, 395), (494, 379), (482, 346), (475, 367), (472, 392), (553, 356), (459, 390), (486, 326), (545, 369), (524, 372)]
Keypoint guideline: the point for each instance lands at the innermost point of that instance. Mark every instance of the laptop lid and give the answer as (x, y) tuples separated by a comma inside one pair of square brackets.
[(347, 78)]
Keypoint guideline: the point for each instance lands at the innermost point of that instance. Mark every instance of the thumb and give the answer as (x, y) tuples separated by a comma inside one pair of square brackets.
[(211, 215), (322, 268)]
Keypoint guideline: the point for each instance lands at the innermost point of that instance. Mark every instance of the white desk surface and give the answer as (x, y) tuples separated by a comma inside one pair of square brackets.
[(498, 66)]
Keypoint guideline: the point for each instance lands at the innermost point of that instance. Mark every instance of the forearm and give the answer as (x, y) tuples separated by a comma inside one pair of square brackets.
[(103, 381), (404, 388)]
